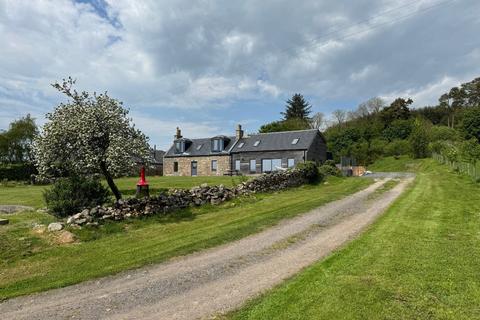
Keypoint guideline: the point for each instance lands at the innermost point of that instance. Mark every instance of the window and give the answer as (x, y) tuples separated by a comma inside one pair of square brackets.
[(295, 141), (217, 145), (256, 143), (179, 146), (214, 165), (276, 164), (240, 145), (253, 166), (175, 166), (237, 165), (269, 165), (199, 147), (291, 163)]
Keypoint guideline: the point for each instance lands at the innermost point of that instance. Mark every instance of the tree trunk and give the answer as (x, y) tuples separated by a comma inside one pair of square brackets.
[(110, 181)]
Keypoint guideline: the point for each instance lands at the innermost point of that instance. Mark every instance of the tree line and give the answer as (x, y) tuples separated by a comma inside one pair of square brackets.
[(375, 128)]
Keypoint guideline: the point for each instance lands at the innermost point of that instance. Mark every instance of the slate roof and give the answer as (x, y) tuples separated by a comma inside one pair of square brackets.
[(157, 156), (206, 149), (277, 141)]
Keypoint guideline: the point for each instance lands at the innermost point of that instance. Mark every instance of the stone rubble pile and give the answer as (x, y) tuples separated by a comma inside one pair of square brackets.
[(177, 199)]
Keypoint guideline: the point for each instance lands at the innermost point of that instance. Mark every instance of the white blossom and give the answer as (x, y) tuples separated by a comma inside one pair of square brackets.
[(89, 134)]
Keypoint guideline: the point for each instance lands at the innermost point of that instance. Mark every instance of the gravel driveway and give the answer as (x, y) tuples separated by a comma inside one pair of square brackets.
[(216, 280)]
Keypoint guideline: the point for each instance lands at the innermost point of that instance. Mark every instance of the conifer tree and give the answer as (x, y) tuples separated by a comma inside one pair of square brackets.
[(297, 108)]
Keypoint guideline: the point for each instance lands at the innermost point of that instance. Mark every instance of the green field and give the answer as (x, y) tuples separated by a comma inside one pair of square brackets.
[(418, 261), (390, 164), (28, 195), (31, 262)]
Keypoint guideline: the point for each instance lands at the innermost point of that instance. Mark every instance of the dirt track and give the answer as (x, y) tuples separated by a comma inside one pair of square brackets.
[(215, 280)]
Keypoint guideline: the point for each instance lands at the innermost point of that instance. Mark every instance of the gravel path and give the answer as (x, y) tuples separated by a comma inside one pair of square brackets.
[(216, 280)]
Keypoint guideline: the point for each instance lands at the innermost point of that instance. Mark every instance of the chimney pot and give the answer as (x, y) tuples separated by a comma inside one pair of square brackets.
[(239, 132), (178, 133)]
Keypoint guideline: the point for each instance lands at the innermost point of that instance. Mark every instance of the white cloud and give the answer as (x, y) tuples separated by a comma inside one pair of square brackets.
[(181, 56), (428, 94)]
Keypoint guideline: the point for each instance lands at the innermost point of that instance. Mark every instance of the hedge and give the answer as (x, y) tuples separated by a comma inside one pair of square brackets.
[(18, 172)]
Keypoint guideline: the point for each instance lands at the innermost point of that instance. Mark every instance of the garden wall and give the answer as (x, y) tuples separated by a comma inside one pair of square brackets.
[(180, 198)]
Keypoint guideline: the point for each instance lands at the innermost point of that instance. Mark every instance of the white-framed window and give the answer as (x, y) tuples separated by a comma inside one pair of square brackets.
[(276, 164), (214, 165), (179, 146), (291, 163), (253, 165), (269, 165), (237, 165), (217, 145)]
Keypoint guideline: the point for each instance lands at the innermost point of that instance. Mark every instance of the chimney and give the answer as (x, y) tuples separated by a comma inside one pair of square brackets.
[(178, 134), (239, 132)]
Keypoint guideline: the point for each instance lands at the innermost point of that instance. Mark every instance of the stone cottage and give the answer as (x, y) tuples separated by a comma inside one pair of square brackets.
[(243, 154)]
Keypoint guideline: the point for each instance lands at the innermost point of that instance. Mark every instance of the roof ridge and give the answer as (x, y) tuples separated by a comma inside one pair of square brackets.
[(303, 130)]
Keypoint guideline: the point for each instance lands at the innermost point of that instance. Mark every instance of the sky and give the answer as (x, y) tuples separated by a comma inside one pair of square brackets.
[(206, 65)]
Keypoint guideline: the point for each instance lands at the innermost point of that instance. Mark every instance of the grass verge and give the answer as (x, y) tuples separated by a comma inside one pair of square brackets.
[(119, 246), (418, 261), (28, 195)]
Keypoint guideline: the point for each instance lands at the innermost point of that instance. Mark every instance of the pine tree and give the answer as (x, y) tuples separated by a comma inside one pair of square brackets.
[(297, 108)]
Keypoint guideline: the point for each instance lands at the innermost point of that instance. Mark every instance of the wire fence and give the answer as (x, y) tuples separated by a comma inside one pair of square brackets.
[(466, 168)]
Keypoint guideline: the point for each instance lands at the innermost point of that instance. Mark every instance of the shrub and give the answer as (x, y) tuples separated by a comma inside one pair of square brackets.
[(70, 195), (16, 172), (397, 148), (443, 133), (398, 130), (327, 170), (329, 163), (310, 171), (419, 139)]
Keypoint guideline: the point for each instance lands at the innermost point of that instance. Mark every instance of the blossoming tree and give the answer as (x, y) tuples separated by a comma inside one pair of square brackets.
[(89, 134)]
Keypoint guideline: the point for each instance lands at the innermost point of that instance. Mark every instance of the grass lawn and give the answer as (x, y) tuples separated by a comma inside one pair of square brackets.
[(390, 164), (418, 261), (27, 195), (31, 262)]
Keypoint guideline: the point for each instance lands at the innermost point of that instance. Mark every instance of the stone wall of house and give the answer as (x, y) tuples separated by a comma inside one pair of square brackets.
[(204, 165)]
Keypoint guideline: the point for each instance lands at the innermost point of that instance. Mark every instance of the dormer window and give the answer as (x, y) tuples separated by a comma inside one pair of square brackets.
[(217, 145), (179, 146)]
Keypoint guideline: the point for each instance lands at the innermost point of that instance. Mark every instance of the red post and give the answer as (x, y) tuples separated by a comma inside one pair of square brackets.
[(142, 181), (142, 185)]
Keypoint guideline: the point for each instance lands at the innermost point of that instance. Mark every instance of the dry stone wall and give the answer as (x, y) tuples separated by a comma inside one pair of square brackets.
[(177, 199)]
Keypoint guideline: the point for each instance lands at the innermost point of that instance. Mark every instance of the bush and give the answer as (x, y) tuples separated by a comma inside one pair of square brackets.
[(419, 140), (70, 195), (310, 171), (397, 148), (327, 170), (443, 133), (16, 172), (330, 163)]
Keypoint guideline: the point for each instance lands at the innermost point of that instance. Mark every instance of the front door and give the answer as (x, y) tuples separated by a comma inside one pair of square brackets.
[(194, 168)]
